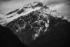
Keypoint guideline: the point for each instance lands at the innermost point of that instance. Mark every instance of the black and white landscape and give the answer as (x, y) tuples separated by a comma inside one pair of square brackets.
[(35, 25)]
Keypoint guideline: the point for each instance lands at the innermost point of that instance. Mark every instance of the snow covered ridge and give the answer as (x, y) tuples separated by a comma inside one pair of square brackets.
[(28, 8)]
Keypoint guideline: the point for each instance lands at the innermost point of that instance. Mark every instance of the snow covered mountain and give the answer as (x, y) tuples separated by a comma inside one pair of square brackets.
[(32, 21), (28, 8)]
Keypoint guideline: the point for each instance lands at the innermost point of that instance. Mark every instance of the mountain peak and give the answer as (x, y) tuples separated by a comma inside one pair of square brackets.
[(26, 9)]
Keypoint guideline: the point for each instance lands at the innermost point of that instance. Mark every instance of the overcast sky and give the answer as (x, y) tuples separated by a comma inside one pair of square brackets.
[(8, 5), (62, 6)]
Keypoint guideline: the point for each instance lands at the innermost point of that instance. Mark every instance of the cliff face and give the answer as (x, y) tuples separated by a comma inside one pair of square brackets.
[(33, 21)]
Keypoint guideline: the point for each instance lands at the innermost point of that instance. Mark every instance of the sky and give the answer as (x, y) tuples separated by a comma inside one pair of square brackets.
[(61, 6), (8, 5)]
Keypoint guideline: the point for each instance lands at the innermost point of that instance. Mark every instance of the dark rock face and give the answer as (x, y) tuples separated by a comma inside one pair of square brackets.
[(29, 24)]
